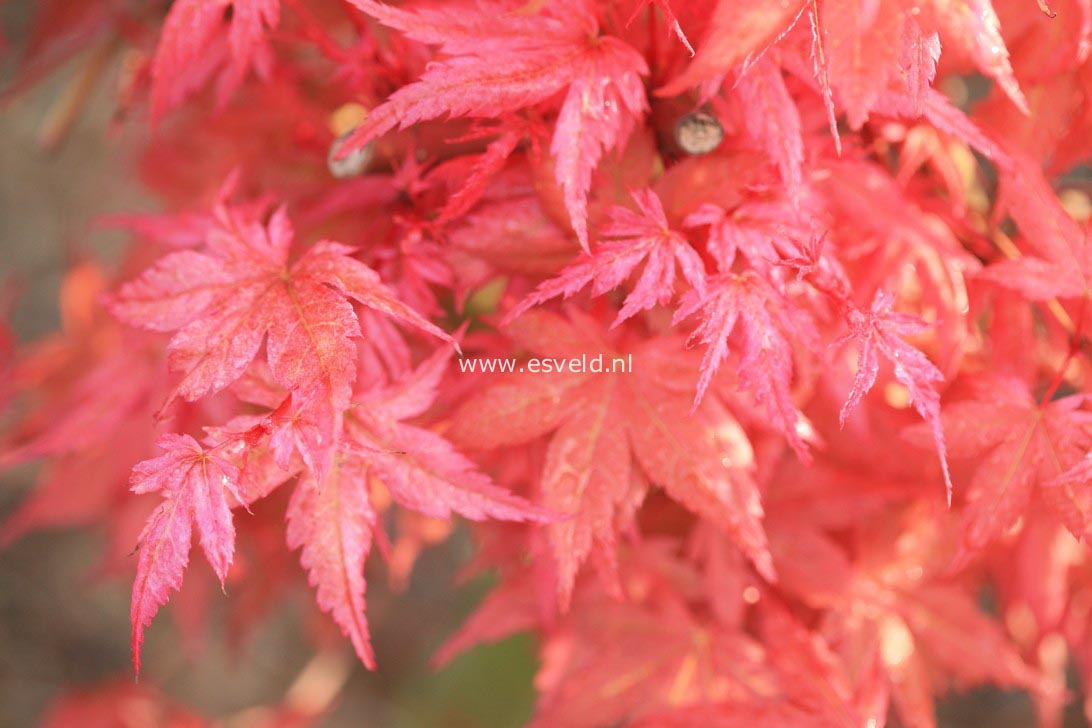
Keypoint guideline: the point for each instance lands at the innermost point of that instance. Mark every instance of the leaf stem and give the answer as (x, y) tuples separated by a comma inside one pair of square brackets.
[(1074, 347)]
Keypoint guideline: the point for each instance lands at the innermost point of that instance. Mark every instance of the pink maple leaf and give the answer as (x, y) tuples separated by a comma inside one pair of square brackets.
[(879, 332), (497, 61), (195, 485), (223, 303), (602, 427), (420, 468), (332, 522), (766, 323), (331, 519), (630, 239), (737, 30), (193, 46), (1020, 446)]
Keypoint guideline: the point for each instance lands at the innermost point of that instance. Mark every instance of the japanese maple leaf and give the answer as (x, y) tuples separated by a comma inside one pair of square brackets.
[(631, 238), (737, 30), (753, 306), (474, 173), (601, 425), (484, 168), (223, 302), (180, 230), (266, 445), (911, 92), (922, 626), (332, 520), (812, 673), (261, 469), (497, 60), (765, 323), (93, 433), (771, 119), (195, 485), (612, 661), (184, 228), (973, 27), (96, 387), (861, 52), (879, 332), (1070, 496), (420, 468), (192, 47), (669, 18), (1020, 445)]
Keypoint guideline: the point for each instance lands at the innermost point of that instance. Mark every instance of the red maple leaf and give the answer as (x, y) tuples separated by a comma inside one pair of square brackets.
[(332, 521), (196, 486), (420, 468), (198, 42), (331, 517), (879, 332), (613, 662), (669, 18), (474, 173), (1021, 445), (973, 27), (497, 61), (766, 324), (223, 302), (736, 30), (630, 239), (771, 119), (602, 424)]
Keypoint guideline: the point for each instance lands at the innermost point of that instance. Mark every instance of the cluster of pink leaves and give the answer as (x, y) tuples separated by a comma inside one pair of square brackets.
[(857, 400)]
